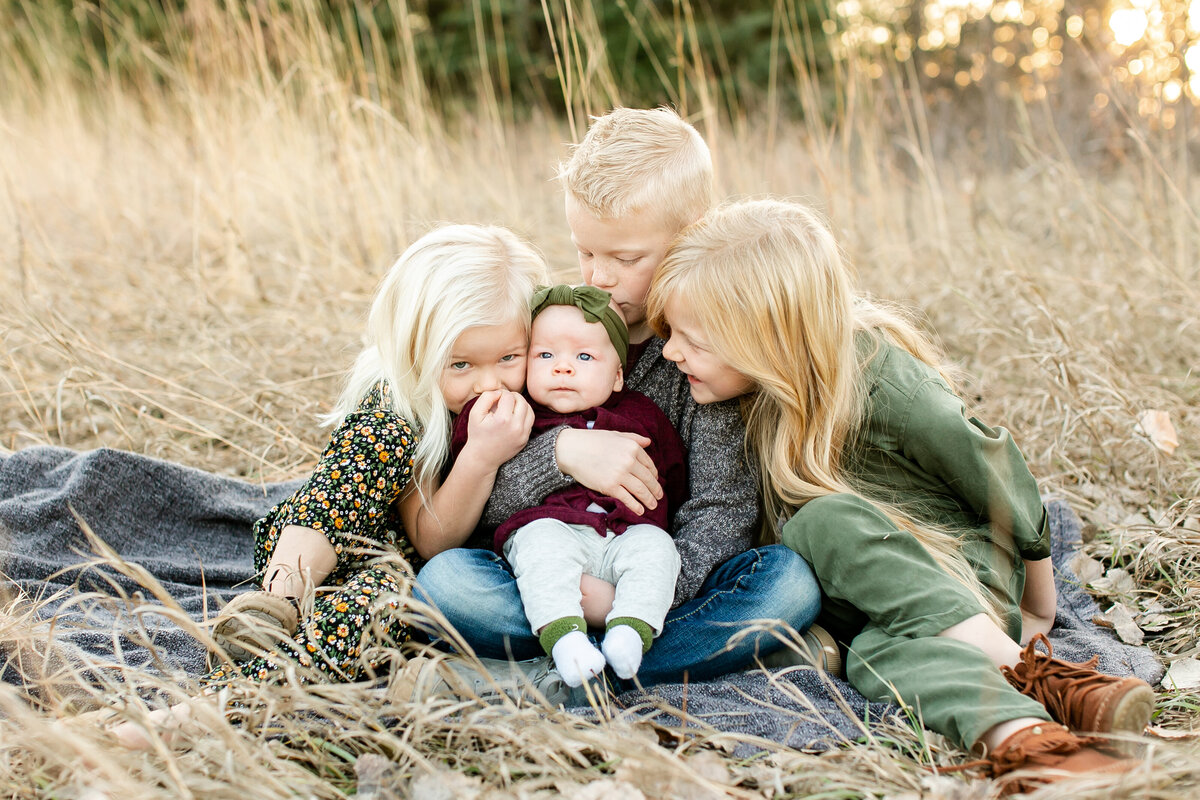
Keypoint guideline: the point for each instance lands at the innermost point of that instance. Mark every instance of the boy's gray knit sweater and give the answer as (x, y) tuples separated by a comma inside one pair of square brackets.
[(719, 519)]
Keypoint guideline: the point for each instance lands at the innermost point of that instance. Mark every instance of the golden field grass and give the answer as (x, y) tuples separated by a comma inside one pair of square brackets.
[(185, 267)]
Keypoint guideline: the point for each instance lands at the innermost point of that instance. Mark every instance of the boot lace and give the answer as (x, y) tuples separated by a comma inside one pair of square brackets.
[(1058, 685)]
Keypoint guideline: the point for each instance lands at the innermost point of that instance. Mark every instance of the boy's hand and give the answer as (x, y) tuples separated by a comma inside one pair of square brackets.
[(497, 428), (613, 463)]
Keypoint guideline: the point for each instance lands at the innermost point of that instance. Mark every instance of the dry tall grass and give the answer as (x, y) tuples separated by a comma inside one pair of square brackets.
[(187, 256)]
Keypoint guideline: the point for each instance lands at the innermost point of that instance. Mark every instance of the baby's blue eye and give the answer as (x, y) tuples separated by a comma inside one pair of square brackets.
[(544, 355), (508, 357), (459, 365), (585, 356)]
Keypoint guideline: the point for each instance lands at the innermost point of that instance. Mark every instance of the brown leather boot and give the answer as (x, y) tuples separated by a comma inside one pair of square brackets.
[(1046, 753), (1079, 696)]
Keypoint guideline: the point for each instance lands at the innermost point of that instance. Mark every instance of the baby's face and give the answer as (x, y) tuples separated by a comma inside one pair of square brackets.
[(572, 363)]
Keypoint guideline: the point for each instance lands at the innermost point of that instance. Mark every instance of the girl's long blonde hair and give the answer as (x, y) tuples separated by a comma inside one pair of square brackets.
[(767, 283), (453, 278)]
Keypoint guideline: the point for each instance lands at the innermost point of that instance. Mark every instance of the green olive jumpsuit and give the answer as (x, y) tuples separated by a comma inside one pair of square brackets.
[(882, 591)]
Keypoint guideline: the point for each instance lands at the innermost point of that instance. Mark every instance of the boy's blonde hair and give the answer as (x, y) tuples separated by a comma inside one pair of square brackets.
[(636, 159), (453, 278), (768, 285)]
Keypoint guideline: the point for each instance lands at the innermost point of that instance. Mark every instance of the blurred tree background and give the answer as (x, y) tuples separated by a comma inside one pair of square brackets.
[(956, 77), (555, 53)]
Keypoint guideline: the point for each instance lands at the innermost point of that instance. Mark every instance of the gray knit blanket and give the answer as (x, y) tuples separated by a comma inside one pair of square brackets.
[(190, 530)]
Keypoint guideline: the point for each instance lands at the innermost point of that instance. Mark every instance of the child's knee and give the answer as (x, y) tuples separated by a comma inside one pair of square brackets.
[(833, 520), (380, 451), (652, 541)]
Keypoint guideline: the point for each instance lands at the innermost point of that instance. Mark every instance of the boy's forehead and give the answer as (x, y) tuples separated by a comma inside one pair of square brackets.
[(630, 226)]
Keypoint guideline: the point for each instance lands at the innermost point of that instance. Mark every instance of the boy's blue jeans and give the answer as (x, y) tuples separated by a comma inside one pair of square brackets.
[(477, 593)]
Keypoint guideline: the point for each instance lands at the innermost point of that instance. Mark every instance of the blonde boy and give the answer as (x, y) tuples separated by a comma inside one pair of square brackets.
[(638, 178), (635, 181)]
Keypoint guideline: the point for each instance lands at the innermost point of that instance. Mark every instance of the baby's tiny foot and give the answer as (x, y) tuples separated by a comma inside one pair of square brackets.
[(622, 647), (577, 658)]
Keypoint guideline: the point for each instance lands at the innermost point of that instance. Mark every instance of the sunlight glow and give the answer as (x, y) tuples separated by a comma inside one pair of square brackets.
[(1192, 59), (1128, 25), (1150, 47)]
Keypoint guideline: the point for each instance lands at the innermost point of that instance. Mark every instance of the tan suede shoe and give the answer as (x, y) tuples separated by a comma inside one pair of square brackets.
[(816, 648), (1045, 753), (254, 622), (1079, 696)]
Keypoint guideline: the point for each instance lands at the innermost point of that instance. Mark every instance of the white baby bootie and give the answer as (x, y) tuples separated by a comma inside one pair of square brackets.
[(622, 647), (577, 658)]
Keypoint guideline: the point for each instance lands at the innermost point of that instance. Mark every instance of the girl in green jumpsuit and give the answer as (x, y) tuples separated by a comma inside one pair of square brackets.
[(924, 527)]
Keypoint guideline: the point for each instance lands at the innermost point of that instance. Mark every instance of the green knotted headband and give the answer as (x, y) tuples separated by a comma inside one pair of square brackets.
[(593, 303)]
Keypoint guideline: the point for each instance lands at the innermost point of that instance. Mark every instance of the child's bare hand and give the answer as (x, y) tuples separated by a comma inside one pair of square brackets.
[(498, 427), (613, 463)]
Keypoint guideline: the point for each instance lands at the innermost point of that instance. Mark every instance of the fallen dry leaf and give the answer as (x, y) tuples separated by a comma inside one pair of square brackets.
[(1166, 733), (1115, 582), (1106, 514), (1153, 617), (1156, 622), (1182, 674), (1119, 619), (1086, 568), (1156, 425), (709, 766)]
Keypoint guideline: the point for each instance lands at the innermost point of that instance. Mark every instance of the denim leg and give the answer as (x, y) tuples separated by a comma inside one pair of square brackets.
[(476, 591), (766, 583)]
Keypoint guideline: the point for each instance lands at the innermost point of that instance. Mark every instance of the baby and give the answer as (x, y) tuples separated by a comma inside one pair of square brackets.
[(575, 375)]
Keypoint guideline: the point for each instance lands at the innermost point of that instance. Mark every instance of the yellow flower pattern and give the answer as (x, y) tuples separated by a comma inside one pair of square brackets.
[(351, 497)]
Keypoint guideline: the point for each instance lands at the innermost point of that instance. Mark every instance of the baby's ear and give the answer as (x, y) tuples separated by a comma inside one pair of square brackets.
[(619, 383)]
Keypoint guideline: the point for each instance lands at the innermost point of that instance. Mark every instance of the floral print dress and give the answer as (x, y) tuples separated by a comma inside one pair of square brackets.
[(351, 497)]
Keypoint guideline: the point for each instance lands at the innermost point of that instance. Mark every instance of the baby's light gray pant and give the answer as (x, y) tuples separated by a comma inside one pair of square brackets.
[(548, 558)]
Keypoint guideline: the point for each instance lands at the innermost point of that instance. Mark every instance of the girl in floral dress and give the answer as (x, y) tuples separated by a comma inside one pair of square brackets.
[(449, 322)]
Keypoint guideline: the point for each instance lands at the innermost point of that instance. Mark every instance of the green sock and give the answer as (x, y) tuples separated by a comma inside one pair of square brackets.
[(558, 629), (644, 630)]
